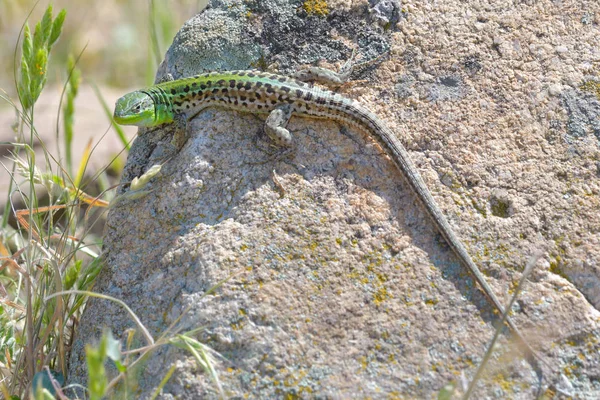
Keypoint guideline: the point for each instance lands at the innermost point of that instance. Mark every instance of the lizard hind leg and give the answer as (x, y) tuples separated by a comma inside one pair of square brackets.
[(326, 76), (334, 79)]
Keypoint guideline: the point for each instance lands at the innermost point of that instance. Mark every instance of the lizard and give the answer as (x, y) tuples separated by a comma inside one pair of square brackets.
[(280, 96)]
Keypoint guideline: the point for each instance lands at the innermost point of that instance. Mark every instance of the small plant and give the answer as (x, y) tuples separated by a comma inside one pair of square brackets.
[(69, 110), (34, 56)]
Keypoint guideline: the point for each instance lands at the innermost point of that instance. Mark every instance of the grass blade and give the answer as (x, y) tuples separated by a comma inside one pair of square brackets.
[(108, 112)]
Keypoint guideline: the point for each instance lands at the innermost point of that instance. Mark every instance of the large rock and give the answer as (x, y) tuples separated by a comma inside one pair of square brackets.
[(339, 284)]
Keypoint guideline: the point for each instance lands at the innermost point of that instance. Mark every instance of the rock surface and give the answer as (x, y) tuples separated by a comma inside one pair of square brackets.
[(339, 285)]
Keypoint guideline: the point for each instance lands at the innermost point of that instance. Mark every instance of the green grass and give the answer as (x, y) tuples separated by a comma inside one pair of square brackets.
[(47, 273), (44, 254)]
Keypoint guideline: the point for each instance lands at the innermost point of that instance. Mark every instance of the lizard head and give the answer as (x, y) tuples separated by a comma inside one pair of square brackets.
[(136, 108)]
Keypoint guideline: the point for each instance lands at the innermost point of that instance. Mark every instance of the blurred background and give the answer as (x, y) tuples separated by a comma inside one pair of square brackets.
[(118, 45), (114, 33)]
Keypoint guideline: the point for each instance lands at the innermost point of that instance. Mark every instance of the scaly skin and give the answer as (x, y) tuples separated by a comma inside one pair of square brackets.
[(258, 92)]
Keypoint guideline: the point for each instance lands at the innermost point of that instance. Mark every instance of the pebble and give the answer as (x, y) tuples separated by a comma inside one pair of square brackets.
[(561, 49), (554, 90)]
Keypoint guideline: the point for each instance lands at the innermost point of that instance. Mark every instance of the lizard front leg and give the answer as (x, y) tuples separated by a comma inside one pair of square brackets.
[(275, 126), (180, 136)]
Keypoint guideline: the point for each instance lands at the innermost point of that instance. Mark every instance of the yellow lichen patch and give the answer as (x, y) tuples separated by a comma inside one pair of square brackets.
[(431, 302), (591, 86), (294, 379), (381, 295), (364, 363), (569, 371), (316, 7), (548, 394), (466, 361), (481, 210), (555, 268), (354, 274), (502, 380), (237, 326)]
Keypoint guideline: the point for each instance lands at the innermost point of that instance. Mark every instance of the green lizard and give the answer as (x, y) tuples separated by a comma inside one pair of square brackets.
[(280, 97)]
